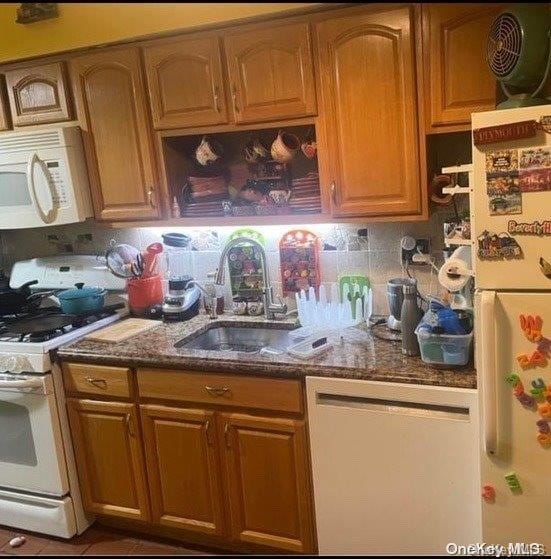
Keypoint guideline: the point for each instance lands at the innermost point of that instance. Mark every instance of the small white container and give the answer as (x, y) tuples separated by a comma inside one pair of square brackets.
[(304, 349)]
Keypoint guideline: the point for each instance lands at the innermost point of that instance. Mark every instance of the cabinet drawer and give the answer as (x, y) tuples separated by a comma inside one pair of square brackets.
[(226, 390), (97, 379)]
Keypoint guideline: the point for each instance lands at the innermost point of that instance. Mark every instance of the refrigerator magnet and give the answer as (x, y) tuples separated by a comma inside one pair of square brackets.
[(545, 268), (512, 481), (543, 426), (539, 383), (544, 410), (529, 361), (513, 379), (502, 182), (492, 246), (535, 169), (488, 493), (526, 400), (531, 326), (544, 345)]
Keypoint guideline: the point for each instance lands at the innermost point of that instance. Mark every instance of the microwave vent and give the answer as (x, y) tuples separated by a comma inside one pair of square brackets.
[(33, 140)]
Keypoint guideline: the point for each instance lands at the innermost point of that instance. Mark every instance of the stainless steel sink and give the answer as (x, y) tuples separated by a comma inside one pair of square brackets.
[(238, 338)]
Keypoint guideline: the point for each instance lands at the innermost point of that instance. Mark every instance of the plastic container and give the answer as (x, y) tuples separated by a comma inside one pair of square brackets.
[(306, 349), (444, 349)]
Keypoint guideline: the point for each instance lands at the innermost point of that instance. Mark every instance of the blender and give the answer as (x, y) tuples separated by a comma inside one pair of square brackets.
[(183, 296)]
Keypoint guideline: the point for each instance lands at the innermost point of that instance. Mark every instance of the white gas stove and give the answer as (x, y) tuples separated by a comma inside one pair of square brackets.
[(38, 479)]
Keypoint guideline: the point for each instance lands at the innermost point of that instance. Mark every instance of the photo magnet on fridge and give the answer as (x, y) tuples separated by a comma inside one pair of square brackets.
[(535, 169), (492, 246), (502, 182)]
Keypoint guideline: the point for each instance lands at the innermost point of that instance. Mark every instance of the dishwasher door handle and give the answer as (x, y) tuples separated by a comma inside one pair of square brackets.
[(393, 406)]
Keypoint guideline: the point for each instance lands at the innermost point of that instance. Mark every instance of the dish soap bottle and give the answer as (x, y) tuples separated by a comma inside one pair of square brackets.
[(410, 317)]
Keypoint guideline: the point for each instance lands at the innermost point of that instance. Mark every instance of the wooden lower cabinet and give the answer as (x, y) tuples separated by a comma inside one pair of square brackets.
[(267, 480), (198, 472), (183, 468), (109, 458)]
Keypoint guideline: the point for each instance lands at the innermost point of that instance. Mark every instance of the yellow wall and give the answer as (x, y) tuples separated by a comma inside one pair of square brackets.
[(80, 25)]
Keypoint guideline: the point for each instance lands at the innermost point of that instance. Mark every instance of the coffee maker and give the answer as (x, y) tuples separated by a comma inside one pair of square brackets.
[(395, 296), (183, 295)]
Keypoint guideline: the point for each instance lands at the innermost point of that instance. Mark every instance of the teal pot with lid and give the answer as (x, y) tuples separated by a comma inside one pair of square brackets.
[(81, 299)]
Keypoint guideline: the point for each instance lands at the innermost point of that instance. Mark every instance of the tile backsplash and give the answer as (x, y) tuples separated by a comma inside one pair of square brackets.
[(378, 257)]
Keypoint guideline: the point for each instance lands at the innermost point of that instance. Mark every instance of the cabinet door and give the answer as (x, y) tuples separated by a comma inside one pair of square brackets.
[(458, 80), (111, 105), (271, 72), (109, 458), (185, 82), (369, 102), (38, 94), (268, 481), (183, 468)]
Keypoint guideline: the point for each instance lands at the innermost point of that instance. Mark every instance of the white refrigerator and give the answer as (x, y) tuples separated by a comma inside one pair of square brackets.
[(511, 228)]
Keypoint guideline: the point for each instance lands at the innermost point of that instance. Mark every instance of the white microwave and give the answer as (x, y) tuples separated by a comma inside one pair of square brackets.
[(43, 178)]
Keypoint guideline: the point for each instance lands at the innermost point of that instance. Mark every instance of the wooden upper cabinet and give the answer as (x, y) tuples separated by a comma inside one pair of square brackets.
[(458, 80), (112, 109), (271, 72), (266, 462), (109, 458), (38, 94), (185, 82), (369, 149), (183, 468)]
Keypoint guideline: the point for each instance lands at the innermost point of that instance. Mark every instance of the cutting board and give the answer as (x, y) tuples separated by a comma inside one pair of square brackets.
[(122, 330)]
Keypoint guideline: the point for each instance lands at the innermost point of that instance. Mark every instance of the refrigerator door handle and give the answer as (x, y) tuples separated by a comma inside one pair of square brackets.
[(489, 411)]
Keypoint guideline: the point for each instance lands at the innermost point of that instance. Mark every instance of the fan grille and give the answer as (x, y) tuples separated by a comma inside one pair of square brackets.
[(504, 44)]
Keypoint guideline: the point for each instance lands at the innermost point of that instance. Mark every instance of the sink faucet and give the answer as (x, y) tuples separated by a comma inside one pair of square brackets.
[(270, 307)]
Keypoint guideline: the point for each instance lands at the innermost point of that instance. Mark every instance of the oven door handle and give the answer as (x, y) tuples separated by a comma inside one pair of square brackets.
[(35, 160), (27, 383)]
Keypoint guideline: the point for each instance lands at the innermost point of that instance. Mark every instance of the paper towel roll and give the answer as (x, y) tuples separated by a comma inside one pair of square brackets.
[(452, 275), (456, 272)]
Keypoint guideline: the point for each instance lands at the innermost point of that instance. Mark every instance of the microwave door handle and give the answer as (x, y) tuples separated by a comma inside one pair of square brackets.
[(489, 387), (34, 160)]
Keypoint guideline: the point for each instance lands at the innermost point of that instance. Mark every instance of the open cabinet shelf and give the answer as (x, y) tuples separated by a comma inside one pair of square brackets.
[(231, 188)]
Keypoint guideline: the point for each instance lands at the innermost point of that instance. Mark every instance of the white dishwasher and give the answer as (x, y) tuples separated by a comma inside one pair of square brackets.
[(395, 466)]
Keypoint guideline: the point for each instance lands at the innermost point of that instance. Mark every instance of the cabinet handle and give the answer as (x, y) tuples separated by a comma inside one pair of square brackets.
[(234, 96), (129, 426), (217, 391), (216, 97), (151, 198), (207, 432), (96, 382), (334, 192), (227, 435)]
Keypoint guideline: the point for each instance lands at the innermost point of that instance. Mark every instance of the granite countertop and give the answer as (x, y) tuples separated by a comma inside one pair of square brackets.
[(359, 356)]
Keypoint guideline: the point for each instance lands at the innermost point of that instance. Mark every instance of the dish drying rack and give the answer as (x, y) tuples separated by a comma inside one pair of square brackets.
[(332, 314)]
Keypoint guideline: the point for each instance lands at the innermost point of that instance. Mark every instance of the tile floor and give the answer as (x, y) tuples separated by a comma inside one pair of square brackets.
[(97, 540)]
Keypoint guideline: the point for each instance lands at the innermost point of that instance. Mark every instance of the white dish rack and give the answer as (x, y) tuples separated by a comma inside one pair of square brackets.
[(320, 314)]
